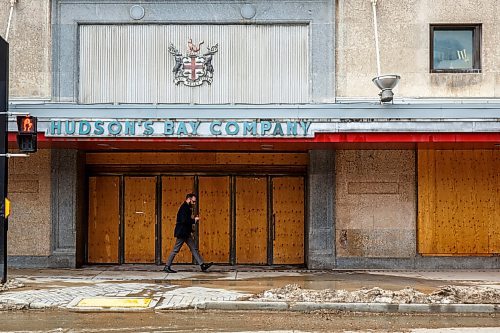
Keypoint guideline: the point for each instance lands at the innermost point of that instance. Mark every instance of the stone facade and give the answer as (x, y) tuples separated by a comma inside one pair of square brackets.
[(375, 203), (29, 190), (320, 244), (317, 15), (403, 28), (30, 48)]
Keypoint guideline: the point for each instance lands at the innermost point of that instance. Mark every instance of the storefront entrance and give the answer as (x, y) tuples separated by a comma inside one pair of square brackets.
[(244, 218)]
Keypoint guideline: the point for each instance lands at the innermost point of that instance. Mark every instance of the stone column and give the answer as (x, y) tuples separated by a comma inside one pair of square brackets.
[(64, 207), (321, 208)]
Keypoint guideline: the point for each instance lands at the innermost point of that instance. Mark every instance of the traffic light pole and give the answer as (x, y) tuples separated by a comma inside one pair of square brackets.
[(4, 123)]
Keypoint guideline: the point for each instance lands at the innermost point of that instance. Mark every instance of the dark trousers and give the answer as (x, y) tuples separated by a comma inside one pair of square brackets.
[(177, 247)]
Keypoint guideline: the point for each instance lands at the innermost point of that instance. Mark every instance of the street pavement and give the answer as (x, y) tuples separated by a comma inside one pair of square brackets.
[(147, 288)]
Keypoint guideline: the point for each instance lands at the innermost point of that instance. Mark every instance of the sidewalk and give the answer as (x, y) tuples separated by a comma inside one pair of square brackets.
[(147, 288)]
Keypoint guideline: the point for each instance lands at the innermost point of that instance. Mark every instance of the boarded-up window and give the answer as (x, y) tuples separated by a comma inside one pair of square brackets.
[(458, 202), (255, 64)]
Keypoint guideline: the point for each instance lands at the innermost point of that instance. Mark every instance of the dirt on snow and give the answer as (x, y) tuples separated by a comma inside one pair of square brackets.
[(11, 284), (443, 295)]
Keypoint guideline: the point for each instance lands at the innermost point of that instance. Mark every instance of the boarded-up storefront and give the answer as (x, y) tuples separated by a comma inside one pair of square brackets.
[(458, 202), (245, 217)]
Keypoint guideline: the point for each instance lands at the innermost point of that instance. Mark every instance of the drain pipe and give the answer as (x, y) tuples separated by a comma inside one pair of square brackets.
[(375, 30), (12, 3)]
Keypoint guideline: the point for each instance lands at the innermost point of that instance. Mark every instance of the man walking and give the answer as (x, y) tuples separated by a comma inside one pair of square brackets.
[(183, 233)]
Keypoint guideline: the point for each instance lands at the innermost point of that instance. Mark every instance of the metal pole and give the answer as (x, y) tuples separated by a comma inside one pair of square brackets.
[(377, 49), (4, 122)]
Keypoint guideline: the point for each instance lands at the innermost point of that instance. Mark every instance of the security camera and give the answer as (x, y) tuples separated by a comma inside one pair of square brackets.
[(386, 83)]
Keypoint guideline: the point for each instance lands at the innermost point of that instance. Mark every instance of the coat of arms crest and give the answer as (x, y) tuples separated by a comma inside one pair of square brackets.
[(193, 69)]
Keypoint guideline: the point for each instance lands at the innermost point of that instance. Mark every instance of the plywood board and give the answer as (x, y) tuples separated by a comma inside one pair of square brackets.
[(426, 201), (458, 202), (103, 219), (251, 220), (140, 219), (288, 220), (150, 158), (494, 189), (174, 190), (263, 158), (160, 158), (214, 226)]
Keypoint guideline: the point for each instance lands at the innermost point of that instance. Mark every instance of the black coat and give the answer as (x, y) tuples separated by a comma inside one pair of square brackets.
[(184, 224)]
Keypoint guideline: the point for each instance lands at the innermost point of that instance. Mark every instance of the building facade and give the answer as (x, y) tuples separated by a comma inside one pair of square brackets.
[(266, 110)]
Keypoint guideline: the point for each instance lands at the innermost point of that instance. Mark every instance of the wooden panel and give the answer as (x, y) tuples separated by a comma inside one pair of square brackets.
[(426, 201), (262, 158), (150, 158), (104, 219), (445, 203), (174, 190), (494, 188), (140, 219), (251, 220), (458, 202), (288, 219), (214, 225)]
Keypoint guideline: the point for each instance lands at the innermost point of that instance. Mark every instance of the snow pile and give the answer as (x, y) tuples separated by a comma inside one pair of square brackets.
[(11, 284), (443, 295)]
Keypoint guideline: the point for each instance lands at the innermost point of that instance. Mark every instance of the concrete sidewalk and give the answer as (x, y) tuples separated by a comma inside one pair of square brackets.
[(147, 288)]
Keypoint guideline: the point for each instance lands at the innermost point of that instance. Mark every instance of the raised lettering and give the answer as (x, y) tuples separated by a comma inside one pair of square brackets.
[(250, 127), (234, 125), (291, 128), (265, 126), (55, 127), (148, 128), (194, 125), (84, 128), (114, 128), (278, 130), (99, 129), (181, 128), (130, 128), (214, 131), (305, 126), (169, 128), (70, 127)]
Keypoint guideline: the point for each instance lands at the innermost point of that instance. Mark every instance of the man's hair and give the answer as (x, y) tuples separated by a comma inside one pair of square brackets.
[(190, 195)]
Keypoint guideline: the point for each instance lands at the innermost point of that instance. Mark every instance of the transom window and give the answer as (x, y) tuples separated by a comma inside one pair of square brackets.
[(455, 48)]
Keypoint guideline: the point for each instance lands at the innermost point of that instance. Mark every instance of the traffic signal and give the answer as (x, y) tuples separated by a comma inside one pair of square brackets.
[(26, 134)]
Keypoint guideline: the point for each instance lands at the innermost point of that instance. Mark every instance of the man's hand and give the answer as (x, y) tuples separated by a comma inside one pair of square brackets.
[(196, 218)]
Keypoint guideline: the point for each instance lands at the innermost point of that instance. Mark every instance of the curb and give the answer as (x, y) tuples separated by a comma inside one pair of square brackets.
[(352, 307), (272, 306), (243, 305)]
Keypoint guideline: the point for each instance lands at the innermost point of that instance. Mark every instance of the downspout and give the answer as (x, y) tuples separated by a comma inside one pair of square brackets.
[(12, 3), (375, 30)]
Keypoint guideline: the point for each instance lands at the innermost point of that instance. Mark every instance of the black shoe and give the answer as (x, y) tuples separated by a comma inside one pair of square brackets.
[(205, 266), (169, 270)]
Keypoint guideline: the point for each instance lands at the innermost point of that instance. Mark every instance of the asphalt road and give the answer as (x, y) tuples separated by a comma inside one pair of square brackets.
[(214, 321)]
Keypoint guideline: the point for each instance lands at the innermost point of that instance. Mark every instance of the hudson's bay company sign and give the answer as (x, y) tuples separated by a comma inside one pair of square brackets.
[(176, 128)]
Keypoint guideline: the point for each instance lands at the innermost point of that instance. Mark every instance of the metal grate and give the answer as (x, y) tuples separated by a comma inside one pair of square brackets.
[(256, 64)]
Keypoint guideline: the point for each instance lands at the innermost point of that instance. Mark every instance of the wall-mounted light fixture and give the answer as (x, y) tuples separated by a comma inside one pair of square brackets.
[(384, 82)]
